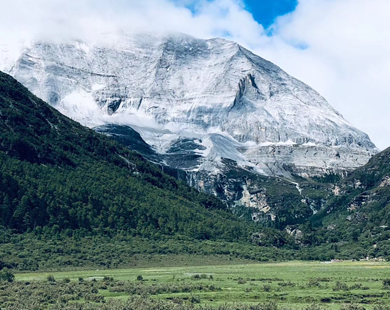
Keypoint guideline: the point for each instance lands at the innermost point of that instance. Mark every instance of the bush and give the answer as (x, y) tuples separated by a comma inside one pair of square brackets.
[(386, 283), (314, 283), (340, 286), (356, 286), (289, 283), (50, 278), (6, 275), (352, 307), (195, 299), (266, 288), (381, 307), (94, 290), (94, 298), (140, 278), (316, 307)]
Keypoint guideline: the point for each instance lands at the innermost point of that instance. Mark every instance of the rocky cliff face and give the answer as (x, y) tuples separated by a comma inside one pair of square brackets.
[(236, 104), (199, 104), (273, 200)]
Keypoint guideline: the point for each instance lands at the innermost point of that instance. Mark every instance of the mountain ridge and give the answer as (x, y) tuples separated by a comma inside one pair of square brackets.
[(60, 178), (184, 87), (209, 112)]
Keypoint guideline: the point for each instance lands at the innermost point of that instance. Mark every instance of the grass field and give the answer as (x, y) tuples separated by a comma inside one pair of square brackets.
[(292, 284)]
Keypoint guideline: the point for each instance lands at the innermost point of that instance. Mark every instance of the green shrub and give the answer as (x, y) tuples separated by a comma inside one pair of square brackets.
[(195, 299), (340, 286), (289, 283), (381, 307), (50, 278), (6, 275), (386, 283), (314, 283), (352, 307), (356, 286), (266, 288)]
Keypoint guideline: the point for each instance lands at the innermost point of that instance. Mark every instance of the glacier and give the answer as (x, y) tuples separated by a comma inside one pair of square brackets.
[(207, 100)]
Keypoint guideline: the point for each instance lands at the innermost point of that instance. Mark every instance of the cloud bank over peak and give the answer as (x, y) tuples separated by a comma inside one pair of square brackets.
[(347, 58), (339, 47), (88, 19)]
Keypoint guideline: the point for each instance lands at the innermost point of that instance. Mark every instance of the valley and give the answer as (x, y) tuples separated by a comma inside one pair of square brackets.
[(290, 285), (169, 172)]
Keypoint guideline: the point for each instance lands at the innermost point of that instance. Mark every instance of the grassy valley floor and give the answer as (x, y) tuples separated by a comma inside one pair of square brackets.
[(289, 285)]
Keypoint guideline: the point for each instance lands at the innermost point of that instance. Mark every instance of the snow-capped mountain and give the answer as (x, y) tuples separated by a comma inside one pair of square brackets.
[(208, 100)]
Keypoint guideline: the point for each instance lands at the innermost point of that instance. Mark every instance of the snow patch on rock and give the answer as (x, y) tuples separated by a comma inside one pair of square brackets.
[(174, 87)]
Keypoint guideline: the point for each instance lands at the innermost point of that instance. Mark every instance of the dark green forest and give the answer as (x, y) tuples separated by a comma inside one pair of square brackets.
[(58, 175), (64, 188)]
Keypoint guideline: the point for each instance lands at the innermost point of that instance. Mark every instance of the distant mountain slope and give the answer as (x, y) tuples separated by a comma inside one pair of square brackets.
[(355, 222), (56, 174), (363, 198), (367, 192)]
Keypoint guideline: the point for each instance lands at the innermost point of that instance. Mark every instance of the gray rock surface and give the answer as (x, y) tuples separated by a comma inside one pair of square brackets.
[(203, 100)]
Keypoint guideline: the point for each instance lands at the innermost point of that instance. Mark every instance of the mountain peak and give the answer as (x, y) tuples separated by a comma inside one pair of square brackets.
[(174, 86)]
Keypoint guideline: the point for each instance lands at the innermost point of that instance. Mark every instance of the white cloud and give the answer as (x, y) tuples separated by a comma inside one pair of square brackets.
[(63, 19), (347, 58)]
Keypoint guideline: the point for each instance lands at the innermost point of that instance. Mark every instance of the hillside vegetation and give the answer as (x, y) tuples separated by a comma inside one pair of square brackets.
[(355, 223), (58, 175), (70, 197)]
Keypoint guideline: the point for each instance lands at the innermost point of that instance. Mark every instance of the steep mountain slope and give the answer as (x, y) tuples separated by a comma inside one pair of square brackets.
[(56, 174), (272, 201), (363, 197), (227, 101), (209, 112), (355, 221), (60, 176)]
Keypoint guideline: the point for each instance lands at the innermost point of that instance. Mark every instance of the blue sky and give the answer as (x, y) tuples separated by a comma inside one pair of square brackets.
[(266, 11)]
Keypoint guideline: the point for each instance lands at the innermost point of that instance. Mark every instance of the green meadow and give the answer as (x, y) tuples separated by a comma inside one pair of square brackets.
[(289, 285)]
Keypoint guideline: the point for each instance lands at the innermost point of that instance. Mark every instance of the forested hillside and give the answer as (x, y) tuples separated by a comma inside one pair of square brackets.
[(58, 175), (362, 198), (355, 223), (64, 185)]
